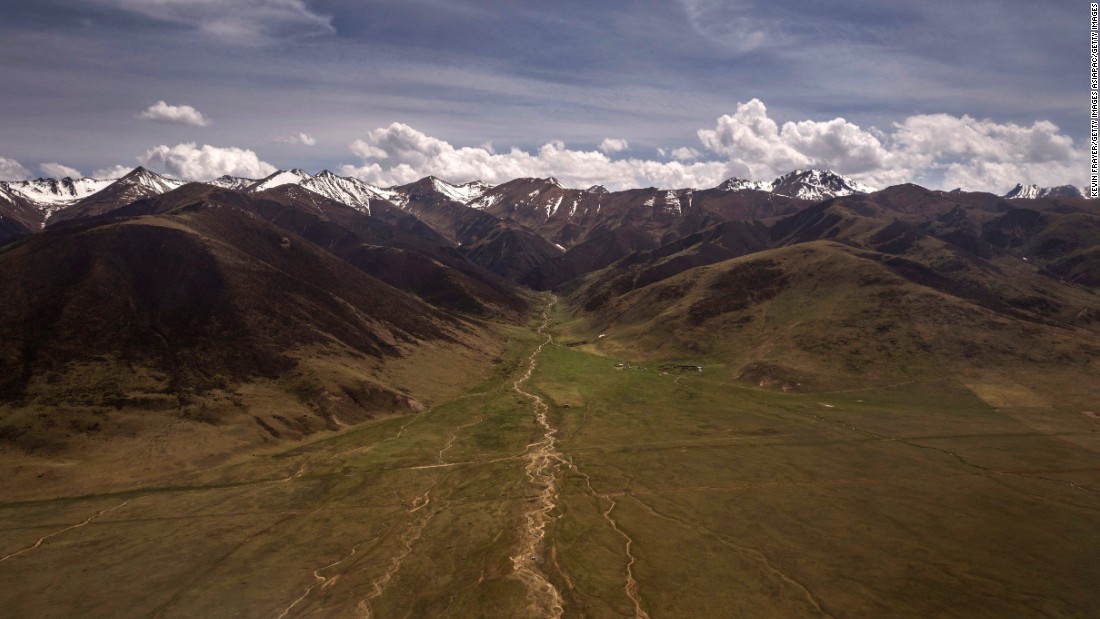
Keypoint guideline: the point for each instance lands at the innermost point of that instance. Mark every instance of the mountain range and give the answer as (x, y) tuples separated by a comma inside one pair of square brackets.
[(342, 300)]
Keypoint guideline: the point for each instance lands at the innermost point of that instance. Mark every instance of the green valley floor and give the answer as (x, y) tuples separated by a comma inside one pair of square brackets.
[(567, 486)]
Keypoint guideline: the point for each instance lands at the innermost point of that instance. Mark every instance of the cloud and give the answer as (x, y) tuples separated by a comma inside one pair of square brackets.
[(56, 170), (189, 162), (931, 149), (161, 112), (613, 145), (111, 173), (304, 139), (234, 21), (730, 23), (936, 150), (684, 153), (752, 142), (11, 170), (400, 154)]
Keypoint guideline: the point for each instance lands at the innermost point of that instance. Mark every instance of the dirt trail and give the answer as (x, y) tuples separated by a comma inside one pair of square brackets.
[(544, 463), (322, 581), (758, 556), (631, 586), (408, 540), (454, 436), (42, 539)]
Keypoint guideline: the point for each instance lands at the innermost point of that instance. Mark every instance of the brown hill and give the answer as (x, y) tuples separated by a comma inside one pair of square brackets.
[(642, 268), (208, 318), (970, 245), (824, 315), (387, 243)]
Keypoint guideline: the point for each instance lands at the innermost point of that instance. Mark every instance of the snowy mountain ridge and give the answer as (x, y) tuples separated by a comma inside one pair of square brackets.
[(50, 194), (464, 193), (1034, 191), (812, 184)]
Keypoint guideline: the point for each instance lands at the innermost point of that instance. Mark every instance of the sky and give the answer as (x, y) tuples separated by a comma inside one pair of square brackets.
[(672, 93)]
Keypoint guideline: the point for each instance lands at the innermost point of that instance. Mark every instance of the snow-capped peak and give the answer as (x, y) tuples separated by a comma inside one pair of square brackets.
[(460, 193), (803, 184), (350, 191), (1034, 191), (282, 177), (740, 184), (150, 181), (597, 189), (816, 184)]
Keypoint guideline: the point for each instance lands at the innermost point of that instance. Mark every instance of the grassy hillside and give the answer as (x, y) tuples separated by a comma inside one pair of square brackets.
[(821, 316)]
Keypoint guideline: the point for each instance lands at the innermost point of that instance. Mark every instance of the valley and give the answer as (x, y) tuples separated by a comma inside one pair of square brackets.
[(564, 486), (304, 395)]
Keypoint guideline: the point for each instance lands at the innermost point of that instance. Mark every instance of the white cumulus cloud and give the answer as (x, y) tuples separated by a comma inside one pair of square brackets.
[(56, 170), (175, 114), (613, 145), (234, 21), (937, 150), (189, 162), (112, 172), (11, 170), (685, 153), (400, 154), (304, 139)]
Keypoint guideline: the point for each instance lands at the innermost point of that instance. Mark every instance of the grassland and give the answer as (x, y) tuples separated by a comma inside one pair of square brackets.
[(676, 495)]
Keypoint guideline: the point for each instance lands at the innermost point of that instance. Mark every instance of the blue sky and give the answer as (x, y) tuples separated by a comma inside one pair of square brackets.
[(688, 91)]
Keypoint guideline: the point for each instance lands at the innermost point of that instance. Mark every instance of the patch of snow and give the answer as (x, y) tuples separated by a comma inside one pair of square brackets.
[(235, 183), (551, 210), (485, 201), (672, 201), (563, 249)]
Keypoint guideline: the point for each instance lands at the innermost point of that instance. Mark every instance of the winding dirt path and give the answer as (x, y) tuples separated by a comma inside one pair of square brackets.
[(408, 540), (454, 436), (756, 555), (544, 463), (322, 581), (631, 586), (42, 539)]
